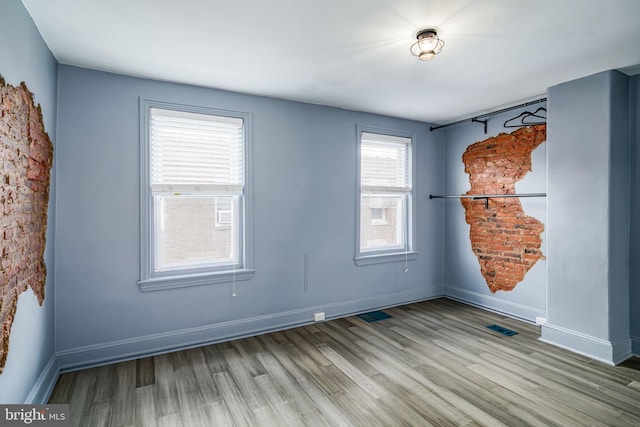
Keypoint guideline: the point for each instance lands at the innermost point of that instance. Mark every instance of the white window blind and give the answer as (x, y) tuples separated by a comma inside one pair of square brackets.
[(385, 161), (196, 153)]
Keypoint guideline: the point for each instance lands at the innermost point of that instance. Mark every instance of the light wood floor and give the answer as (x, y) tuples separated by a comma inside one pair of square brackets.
[(434, 363)]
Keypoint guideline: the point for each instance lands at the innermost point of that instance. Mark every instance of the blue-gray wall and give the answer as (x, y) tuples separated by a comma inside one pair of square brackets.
[(30, 369), (463, 280), (304, 188), (588, 216), (634, 282)]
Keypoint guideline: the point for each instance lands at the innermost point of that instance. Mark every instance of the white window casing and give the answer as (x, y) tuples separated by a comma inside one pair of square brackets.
[(194, 160), (385, 182)]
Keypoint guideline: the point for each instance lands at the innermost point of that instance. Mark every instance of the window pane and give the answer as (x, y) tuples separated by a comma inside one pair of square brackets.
[(196, 231), (384, 164), (382, 222), (195, 150)]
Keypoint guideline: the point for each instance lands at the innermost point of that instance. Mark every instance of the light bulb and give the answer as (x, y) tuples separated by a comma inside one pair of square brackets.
[(426, 56), (427, 46)]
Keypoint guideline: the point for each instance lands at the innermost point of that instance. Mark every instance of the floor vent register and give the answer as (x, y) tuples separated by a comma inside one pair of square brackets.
[(502, 330), (374, 316)]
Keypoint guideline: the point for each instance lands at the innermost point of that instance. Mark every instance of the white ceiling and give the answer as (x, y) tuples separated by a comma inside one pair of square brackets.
[(351, 53)]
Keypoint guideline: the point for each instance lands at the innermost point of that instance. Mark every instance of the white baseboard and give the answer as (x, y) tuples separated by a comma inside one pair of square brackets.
[(491, 303), (635, 346), (45, 383), (149, 345), (611, 353)]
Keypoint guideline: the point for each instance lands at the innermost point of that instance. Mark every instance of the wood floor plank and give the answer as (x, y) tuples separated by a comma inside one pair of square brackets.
[(624, 401), (315, 419), (341, 340), (434, 357), (465, 385), (418, 404), (173, 420), (80, 397), (339, 378), (479, 416), (622, 373), (405, 414), (503, 378), (433, 363), (382, 345), (353, 372), (326, 408), (587, 397), (295, 395), (592, 407), (267, 416), (384, 333), (145, 372), (532, 396), (203, 375), (64, 387), (249, 360), (240, 411), (244, 380), (279, 400), (627, 419), (146, 415), (215, 359), (105, 383), (359, 415), (531, 411), (217, 413), (283, 355), (190, 396), (364, 411), (99, 414), (166, 392), (124, 398), (313, 371), (306, 343)]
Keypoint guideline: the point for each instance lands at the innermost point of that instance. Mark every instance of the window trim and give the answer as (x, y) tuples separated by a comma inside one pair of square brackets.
[(150, 281), (409, 252)]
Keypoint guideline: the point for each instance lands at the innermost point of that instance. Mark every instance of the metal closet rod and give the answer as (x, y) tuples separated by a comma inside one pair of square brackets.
[(493, 113), (486, 196)]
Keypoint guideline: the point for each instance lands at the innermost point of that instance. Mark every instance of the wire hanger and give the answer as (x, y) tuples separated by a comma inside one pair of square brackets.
[(527, 115)]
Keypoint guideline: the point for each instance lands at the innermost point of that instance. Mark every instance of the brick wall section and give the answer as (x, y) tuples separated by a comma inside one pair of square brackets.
[(26, 154), (505, 240)]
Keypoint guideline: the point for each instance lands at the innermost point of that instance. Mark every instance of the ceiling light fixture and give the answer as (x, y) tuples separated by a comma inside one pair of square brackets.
[(427, 46)]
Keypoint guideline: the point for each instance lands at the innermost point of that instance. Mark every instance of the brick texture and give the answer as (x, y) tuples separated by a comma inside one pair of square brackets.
[(26, 154), (505, 240)]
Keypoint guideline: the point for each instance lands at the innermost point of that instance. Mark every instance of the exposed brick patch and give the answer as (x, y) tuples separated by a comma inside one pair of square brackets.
[(505, 240), (26, 154)]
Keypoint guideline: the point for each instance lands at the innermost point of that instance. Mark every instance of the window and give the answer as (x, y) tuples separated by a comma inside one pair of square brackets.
[(195, 204), (378, 216), (385, 206)]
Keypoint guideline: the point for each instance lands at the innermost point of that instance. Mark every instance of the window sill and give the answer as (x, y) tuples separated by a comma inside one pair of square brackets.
[(188, 280), (384, 258)]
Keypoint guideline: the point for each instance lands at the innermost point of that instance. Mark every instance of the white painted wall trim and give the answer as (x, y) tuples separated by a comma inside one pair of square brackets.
[(635, 346), (149, 345), (45, 383), (611, 353), (497, 305)]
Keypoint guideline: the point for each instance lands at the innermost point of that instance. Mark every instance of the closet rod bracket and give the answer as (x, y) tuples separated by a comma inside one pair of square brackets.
[(484, 122)]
